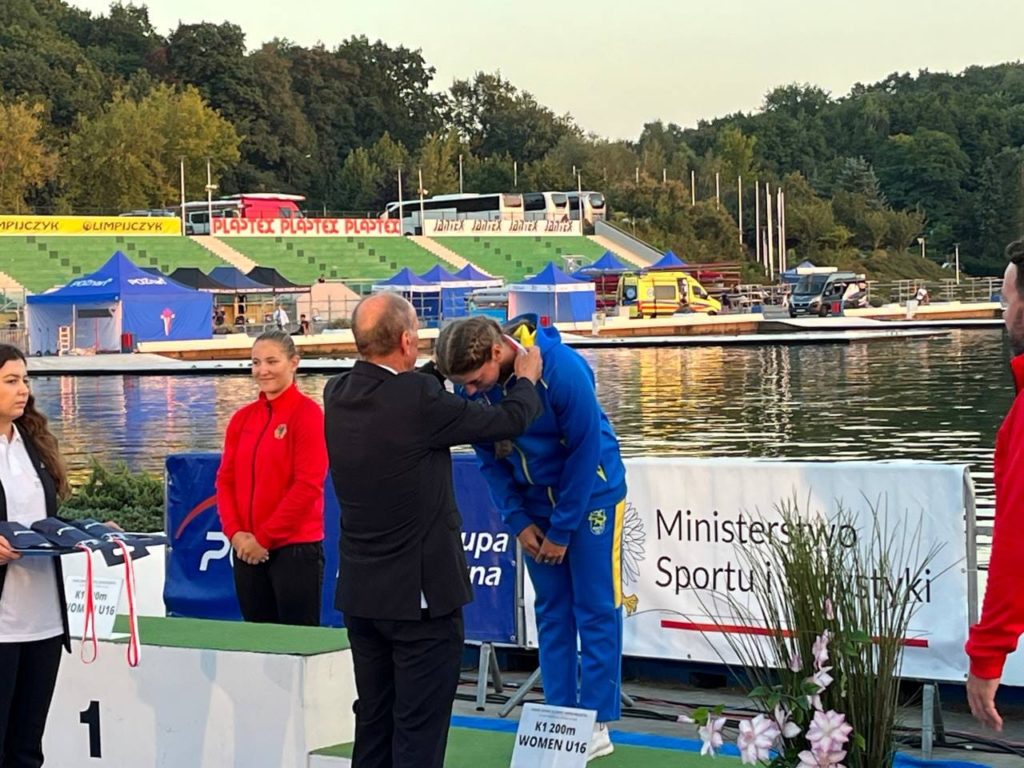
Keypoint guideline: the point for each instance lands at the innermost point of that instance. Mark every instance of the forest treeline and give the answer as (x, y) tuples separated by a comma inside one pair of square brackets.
[(97, 112)]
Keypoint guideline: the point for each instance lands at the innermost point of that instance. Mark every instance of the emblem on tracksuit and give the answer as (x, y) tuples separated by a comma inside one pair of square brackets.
[(598, 519), (281, 431)]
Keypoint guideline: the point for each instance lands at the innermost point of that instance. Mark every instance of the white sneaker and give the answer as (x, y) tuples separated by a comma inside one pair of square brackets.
[(600, 742)]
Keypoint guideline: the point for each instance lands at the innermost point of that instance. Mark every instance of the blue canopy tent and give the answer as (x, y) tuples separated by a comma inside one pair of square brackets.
[(478, 278), (553, 294), (792, 276), (233, 278), (454, 291), (118, 298), (425, 297), (608, 264), (668, 261)]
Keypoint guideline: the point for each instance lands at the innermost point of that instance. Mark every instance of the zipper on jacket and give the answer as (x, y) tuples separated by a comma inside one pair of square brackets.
[(522, 461), (255, 449)]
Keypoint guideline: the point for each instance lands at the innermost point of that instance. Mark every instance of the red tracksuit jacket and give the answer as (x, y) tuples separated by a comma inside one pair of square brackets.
[(271, 477), (1002, 617)]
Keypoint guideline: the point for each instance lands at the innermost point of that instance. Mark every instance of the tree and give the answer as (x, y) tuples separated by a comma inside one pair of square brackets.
[(437, 160), (361, 180), (904, 228), (128, 156), (25, 161)]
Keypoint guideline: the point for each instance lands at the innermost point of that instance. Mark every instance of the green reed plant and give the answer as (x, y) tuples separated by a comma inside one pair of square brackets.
[(813, 583)]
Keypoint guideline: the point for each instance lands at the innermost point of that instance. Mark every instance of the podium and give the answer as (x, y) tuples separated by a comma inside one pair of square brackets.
[(207, 694)]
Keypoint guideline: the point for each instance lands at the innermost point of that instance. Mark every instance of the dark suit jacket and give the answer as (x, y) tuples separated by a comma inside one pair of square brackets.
[(50, 493), (388, 437)]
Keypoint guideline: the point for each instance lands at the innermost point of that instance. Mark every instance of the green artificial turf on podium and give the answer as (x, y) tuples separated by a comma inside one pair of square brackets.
[(477, 748), (237, 636)]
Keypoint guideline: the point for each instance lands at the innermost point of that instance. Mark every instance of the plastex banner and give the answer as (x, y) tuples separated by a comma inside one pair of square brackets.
[(228, 227), (692, 525)]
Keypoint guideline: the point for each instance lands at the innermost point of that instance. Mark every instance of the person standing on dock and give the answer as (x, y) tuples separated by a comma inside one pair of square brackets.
[(561, 489), (270, 492), (993, 638), (402, 576)]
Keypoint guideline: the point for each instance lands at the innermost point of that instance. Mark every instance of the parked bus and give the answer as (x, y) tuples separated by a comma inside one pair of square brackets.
[(502, 205), (252, 205), (593, 206), (545, 206)]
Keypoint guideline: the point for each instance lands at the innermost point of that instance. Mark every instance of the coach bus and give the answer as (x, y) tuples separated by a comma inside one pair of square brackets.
[(503, 205), (593, 206)]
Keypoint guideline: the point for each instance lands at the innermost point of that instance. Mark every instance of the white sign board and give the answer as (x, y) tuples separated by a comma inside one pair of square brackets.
[(553, 737), (106, 593), (687, 518)]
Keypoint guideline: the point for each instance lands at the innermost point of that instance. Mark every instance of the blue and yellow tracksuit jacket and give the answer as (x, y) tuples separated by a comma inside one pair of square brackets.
[(567, 463)]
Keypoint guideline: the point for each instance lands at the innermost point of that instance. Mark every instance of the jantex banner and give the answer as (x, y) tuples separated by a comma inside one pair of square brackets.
[(89, 225), (498, 228), (307, 227)]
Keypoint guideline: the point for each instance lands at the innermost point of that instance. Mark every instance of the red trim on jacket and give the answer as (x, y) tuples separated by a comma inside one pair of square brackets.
[(271, 477), (1002, 618)]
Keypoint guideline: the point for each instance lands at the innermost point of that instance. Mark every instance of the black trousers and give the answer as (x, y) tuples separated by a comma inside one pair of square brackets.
[(28, 675), (285, 589), (406, 676)]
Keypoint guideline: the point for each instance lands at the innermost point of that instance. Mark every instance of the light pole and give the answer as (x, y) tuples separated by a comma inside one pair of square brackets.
[(920, 241), (956, 258), (210, 186), (181, 173)]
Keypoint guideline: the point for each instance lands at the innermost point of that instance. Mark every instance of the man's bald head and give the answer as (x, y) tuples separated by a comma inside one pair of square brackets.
[(378, 323)]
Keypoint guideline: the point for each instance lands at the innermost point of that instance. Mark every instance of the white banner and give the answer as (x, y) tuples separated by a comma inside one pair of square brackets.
[(498, 228), (307, 227), (685, 519)]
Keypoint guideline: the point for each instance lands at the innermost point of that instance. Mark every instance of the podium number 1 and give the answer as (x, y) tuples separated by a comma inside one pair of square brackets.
[(91, 717)]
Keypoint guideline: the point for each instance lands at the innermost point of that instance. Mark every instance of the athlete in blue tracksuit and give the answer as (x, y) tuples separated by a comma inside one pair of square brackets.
[(565, 476)]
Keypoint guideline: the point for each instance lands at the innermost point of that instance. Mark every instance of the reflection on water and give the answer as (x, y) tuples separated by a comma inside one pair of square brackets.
[(938, 399)]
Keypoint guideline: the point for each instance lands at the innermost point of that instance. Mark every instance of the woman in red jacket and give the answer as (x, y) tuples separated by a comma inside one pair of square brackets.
[(270, 491)]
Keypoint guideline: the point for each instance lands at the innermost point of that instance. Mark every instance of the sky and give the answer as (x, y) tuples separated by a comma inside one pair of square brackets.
[(617, 65)]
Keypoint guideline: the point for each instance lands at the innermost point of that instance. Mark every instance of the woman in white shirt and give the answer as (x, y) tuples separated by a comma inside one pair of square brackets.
[(33, 615)]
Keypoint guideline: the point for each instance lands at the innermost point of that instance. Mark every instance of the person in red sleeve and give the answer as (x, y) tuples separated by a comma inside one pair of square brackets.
[(993, 638), (270, 491)]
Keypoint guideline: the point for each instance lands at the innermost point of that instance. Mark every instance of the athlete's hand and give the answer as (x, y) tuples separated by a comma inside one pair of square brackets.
[(981, 695), (531, 538), (551, 553)]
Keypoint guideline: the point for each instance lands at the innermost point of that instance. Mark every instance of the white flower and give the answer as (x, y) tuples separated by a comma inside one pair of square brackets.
[(711, 734), (756, 739), (787, 727), (821, 680), (795, 662), (828, 731), (820, 649), (814, 759)]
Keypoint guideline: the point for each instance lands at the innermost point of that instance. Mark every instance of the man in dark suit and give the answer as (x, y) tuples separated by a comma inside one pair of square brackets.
[(402, 578)]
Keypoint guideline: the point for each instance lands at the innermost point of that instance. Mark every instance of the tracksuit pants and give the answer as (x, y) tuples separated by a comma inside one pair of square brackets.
[(582, 598)]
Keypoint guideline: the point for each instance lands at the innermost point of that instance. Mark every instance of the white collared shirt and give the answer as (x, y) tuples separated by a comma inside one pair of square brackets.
[(29, 605)]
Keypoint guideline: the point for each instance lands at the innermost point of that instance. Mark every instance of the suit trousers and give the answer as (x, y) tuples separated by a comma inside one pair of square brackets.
[(285, 589), (406, 676), (28, 675)]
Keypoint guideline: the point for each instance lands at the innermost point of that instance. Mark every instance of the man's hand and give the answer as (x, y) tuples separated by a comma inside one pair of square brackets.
[(551, 553), (6, 553), (981, 695), (247, 549), (531, 538), (529, 365)]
